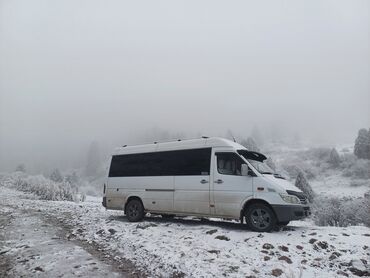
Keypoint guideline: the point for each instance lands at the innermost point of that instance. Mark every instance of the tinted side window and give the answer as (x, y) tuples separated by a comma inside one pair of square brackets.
[(170, 163), (229, 164)]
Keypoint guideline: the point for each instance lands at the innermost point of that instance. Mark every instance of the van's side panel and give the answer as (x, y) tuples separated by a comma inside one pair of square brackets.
[(192, 194), (155, 192)]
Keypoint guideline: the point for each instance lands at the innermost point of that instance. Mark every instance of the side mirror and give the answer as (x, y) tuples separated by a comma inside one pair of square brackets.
[(245, 170)]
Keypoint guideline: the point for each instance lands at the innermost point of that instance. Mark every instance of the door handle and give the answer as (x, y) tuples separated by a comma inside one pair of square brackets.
[(203, 181), (219, 181)]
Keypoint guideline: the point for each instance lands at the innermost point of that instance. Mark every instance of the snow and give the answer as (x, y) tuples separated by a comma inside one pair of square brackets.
[(186, 246)]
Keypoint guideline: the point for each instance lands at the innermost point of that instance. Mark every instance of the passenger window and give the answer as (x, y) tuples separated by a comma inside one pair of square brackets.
[(229, 164)]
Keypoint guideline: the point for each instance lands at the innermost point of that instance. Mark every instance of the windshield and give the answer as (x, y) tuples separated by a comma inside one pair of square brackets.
[(261, 167), (256, 160)]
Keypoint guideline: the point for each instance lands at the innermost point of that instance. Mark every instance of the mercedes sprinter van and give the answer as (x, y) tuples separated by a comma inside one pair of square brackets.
[(207, 177)]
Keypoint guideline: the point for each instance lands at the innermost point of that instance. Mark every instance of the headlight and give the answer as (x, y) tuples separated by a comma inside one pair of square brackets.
[(290, 198)]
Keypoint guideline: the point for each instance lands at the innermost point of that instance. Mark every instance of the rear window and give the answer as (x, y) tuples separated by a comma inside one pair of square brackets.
[(192, 162)]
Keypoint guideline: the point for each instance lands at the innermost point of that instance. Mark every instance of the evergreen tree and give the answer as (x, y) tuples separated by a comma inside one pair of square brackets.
[(334, 158), (362, 144), (21, 168), (250, 144), (271, 163), (56, 176), (93, 160), (257, 136), (72, 179), (302, 183)]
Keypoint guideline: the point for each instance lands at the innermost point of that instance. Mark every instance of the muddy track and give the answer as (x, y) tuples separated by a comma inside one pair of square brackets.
[(114, 259), (60, 233)]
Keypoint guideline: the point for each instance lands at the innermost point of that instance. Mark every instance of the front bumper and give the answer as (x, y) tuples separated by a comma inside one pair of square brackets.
[(286, 213)]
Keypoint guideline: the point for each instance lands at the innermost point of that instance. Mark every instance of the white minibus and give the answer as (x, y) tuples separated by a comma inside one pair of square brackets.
[(206, 177)]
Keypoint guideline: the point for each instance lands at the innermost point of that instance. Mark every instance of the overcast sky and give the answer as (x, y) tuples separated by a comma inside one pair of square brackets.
[(75, 71)]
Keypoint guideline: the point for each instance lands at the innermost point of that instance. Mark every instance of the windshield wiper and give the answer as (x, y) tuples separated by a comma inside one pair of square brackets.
[(267, 173)]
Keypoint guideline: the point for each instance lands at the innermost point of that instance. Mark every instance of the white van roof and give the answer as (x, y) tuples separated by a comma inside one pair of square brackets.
[(179, 145)]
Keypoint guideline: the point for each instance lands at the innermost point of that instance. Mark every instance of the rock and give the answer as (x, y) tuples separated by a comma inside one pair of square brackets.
[(312, 240), (222, 238), (284, 248), (39, 268), (100, 232), (214, 251), (299, 247), (285, 258), (334, 255), (112, 231), (260, 235), (264, 251), (211, 232), (268, 246), (303, 261), (312, 234), (358, 268), (266, 258), (341, 272), (344, 234), (145, 225), (276, 272), (366, 234), (322, 244)]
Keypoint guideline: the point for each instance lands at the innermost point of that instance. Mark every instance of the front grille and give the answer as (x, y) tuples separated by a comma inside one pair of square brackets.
[(301, 196)]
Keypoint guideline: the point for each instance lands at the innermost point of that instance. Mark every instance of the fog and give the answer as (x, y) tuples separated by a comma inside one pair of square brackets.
[(118, 72)]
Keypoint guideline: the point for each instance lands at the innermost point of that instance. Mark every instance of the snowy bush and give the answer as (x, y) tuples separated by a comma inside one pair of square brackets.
[(359, 168), (44, 188), (318, 154), (331, 211)]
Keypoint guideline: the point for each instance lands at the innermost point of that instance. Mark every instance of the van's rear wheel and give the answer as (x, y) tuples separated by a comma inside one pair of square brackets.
[(260, 218), (134, 211)]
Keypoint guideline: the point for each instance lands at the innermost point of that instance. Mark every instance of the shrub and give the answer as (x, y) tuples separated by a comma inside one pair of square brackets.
[(359, 168), (44, 188), (341, 212)]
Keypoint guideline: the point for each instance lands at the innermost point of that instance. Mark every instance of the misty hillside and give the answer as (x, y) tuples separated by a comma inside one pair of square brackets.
[(184, 139)]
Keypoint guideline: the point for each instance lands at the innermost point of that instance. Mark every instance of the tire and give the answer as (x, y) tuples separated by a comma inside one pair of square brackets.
[(260, 218), (134, 211)]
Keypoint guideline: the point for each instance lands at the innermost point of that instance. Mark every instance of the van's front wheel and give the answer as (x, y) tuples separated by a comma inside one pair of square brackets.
[(134, 211), (260, 218)]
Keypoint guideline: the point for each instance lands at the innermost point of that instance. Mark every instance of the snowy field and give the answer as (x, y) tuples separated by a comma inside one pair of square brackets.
[(46, 238)]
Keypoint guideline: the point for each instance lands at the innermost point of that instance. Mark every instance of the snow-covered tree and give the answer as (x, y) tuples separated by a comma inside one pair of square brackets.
[(56, 176), (257, 136), (270, 163), (334, 158), (362, 144), (93, 160), (21, 168), (250, 144), (302, 183), (72, 178)]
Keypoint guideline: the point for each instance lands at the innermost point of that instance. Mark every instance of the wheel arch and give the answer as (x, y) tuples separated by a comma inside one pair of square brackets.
[(133, 197), (250, 202)]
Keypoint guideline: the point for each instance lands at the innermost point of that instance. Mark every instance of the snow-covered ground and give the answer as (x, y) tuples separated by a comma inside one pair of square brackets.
[(167, 248)]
